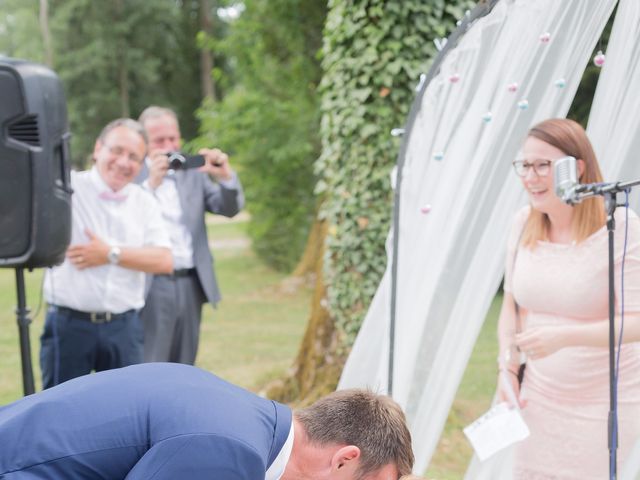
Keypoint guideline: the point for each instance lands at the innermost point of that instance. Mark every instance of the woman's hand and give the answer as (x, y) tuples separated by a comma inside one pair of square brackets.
[(539, 342)]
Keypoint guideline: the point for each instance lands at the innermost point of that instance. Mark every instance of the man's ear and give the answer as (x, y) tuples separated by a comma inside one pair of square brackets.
[(96, 149), (344, 457), (581, 166)]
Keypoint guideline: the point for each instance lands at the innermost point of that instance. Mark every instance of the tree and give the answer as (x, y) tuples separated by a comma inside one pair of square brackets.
[(269, 121), (116, 58), (374, 51), (46, 33), (206, 57), (17, 24), (109, 57)]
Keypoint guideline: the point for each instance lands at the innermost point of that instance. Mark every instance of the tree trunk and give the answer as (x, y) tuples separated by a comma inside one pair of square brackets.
[(123, 70), (124, 90), (206, 57), (46, 33), (312, 251), (319, 362)]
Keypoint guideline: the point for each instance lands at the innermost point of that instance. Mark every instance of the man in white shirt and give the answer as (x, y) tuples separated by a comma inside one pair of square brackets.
[(173, 308), (117, 234)]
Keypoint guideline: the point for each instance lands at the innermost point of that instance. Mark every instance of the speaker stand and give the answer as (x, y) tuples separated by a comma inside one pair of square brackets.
[(22, 313)]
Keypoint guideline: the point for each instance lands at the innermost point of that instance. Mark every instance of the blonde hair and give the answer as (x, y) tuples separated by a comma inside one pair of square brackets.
[(588, 216)]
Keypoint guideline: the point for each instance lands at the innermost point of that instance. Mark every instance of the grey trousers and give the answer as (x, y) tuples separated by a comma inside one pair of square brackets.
[(171, 319)]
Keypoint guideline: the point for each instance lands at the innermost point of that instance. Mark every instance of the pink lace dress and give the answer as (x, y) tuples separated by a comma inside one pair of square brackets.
[(568, 392)]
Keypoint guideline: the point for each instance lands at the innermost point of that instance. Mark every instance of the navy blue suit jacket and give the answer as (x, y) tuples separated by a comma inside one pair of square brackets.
[(152, 421)]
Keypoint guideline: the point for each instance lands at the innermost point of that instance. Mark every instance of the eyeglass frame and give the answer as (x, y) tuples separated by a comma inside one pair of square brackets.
[(119, 151), (545, 163)]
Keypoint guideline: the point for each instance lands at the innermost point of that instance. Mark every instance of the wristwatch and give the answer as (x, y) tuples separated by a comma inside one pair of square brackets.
[(114, 255)]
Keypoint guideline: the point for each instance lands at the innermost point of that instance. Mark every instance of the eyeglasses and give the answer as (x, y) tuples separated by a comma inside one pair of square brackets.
[(118, 151), (540, 167)]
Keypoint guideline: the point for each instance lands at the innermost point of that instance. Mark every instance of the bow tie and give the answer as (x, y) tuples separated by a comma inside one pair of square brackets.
[(112, 196)]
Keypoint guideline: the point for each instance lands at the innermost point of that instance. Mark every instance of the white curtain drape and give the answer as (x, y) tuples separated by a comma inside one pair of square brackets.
[(614, 122), (458, 162)]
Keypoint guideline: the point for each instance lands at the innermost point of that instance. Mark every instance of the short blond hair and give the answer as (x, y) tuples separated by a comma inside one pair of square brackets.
[(373, 423)]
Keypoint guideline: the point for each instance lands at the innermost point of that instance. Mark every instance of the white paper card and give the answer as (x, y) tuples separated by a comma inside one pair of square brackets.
[(497, 429)]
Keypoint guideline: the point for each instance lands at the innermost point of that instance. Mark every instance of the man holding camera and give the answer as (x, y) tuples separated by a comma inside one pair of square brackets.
[(173, 307)]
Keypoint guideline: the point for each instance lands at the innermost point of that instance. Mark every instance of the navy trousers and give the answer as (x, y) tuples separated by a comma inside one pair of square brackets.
[(71, 345)]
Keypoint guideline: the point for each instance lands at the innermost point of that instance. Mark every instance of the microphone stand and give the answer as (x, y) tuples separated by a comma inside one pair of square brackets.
[(610, 193)]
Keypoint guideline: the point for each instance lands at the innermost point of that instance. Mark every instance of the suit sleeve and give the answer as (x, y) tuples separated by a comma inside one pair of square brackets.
[(223, 198), (199, 457)]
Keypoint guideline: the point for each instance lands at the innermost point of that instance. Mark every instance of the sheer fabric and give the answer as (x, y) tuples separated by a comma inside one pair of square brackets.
[(458, 163)]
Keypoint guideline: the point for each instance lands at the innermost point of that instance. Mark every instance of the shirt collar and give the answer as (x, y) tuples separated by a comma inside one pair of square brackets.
[(276, 469)]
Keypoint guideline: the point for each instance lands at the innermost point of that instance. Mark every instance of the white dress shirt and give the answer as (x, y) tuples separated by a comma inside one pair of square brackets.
[(277, 467), (134, 221), (181, 243), (169, 199)]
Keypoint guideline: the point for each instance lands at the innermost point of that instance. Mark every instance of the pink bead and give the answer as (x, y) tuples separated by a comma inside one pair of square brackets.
[(454, 78), (425, 209), (545, 37), (598, 60), (512, 87)]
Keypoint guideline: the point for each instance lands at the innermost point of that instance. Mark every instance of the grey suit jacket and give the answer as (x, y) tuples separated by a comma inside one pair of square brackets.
[(199, 194)]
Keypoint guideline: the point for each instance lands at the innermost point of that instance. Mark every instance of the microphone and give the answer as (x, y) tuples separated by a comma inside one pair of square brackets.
[(565, 180)]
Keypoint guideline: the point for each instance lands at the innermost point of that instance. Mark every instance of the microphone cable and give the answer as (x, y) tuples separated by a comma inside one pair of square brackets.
[(614, 430)]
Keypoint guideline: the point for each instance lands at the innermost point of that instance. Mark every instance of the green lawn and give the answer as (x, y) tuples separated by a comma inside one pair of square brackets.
[(254, 334), (251, 337), (472, 400)]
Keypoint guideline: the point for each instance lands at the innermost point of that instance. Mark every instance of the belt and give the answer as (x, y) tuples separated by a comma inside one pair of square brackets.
[(183, 272), (94, 317)]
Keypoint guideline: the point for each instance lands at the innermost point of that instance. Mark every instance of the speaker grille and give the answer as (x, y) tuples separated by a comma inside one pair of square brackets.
[(26, 130)]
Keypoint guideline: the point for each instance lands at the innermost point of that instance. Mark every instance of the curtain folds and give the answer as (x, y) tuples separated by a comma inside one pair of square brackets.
[(516, 66)]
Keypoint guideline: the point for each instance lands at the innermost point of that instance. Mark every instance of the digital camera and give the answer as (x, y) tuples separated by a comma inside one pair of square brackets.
[(181, 161)]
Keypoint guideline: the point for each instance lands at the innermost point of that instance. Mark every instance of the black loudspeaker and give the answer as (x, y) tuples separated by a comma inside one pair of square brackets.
[(35, 191)]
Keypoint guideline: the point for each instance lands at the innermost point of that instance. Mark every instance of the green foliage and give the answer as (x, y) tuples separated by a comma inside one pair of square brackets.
[(115, 58), (19, 30), (269, 121), (374, 51)]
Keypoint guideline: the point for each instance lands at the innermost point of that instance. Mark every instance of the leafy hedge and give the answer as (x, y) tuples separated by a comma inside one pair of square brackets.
[(374, 52)]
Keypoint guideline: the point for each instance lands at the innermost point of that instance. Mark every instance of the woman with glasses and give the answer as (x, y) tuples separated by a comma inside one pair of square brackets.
[(555, 314)]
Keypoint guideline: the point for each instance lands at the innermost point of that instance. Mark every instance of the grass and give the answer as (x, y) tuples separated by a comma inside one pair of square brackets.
[(473, 398), (250, 338), (10, 365), (253, 337)]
